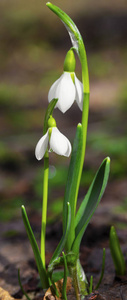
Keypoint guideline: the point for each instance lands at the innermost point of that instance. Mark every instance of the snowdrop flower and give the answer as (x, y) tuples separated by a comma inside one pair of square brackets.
[(58, 143), (68, 87)]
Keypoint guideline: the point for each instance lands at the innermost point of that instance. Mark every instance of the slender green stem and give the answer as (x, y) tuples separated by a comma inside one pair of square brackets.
[(21, 287), (85, 112), (73, 273), (64, 295), (44, 206)]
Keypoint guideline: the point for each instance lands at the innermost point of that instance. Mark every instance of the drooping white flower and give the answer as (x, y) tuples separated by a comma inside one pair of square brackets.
[(66, 91), (57, 141)]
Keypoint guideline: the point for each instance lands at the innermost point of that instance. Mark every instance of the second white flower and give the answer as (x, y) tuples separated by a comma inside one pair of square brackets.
[(57, 141)]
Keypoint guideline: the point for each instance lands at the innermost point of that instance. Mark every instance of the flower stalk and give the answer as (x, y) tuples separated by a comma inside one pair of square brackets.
[(44, 206)]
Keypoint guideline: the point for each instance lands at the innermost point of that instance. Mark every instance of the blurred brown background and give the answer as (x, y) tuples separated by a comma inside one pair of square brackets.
[(33, 46)]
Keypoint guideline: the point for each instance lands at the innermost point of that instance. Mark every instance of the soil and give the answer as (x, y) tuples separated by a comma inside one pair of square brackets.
[(16, 253)]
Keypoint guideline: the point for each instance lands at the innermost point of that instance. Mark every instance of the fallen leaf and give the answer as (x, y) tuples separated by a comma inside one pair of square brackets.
[(49, 295), (4, 295)]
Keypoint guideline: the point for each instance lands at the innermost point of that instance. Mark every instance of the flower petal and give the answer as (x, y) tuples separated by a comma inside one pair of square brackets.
[(65, 92), (52, 91), (79, 92), (59, 143), (63, 89), (41, 146)]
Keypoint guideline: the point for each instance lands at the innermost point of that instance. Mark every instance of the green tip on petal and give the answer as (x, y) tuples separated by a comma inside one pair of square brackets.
[(69, 62)]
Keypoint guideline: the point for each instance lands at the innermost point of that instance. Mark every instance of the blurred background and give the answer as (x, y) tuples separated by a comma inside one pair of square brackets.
[(33, 45)]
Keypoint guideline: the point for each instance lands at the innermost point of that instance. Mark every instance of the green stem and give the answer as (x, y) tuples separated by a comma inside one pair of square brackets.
[(73, 273), (44, 206), (79, 280), (85, 81), (85, 114), (82, 284), (64, 295)]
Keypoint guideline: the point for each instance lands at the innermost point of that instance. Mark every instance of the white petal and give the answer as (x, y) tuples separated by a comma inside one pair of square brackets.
[(65, 92), (79, 92), (41, 146), (59, 143), (52, 91)]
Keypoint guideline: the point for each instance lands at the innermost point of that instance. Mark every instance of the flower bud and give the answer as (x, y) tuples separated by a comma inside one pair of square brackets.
[(69, 62), (51, 122)]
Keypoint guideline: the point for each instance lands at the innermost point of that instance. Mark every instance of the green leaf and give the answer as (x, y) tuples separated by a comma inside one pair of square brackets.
[(48, 113), (22, 289), (90, 202), (41, 269), (58, 275), (72, 185), (64, 237), (91, 284), (116, 252)]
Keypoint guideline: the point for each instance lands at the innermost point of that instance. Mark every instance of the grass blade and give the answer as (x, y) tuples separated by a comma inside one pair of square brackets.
[(116, 252), (72, 185), (22, 289), (90, 202), (41, 269), (64, 237)]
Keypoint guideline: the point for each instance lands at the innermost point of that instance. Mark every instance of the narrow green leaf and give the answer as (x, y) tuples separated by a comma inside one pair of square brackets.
[(49, 112), (72, 185), (22, 289), (90, 202), (41, 269), (58, 275), (64, 237), (91, 284), (116, 252)]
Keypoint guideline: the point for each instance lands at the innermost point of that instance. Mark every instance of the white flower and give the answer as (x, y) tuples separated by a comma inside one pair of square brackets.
[(66, 91), (57, 141)]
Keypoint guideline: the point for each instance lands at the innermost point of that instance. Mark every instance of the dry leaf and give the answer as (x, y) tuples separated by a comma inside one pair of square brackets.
[(49, 295), (4, 295)]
